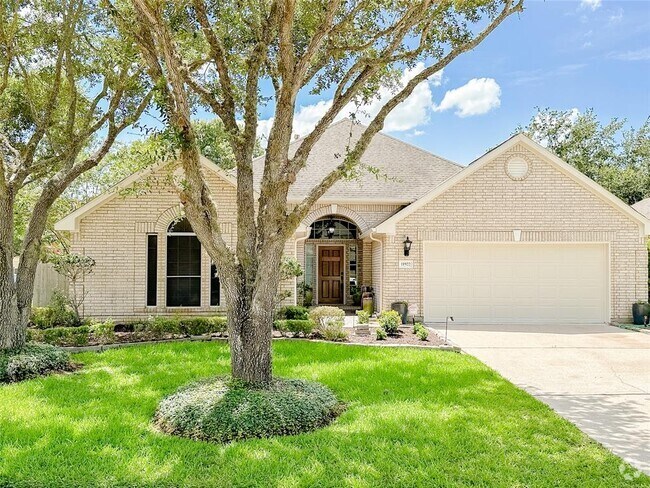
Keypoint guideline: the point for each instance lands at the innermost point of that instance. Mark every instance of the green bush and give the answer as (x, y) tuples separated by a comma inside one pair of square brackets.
[(220, 410), (332, 330), (161, 327), (328, 323), (293, 312), (61, 336), (381, 334), (390, 320), (103, 332), (296, 327), (363, 316), (421, 331), (32, 360), (57, 314)]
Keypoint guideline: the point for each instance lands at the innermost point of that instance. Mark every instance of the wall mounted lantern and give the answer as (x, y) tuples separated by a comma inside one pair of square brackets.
[(407, 246)]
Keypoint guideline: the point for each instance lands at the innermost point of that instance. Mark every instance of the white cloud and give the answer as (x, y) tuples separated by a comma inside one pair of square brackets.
[(411, 113), (592, 4), (478, 96), (616, 18), (642, 54)]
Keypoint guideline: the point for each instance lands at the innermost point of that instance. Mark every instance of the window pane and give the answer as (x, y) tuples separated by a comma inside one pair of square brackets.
[(184, 292), (215, 287), (183, 256), (152, 269), (343, 229)]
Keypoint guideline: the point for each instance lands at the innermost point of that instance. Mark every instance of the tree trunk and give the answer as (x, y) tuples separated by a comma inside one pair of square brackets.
[(251, 309), (12, 323)]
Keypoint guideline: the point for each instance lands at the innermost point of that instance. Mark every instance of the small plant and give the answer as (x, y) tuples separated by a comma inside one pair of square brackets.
[(420, 331), (57, 314), (305, 293), (103, 332), (389, 320), (381, 334), (74, 267), (328, 323), (363, 316), (293, 312)]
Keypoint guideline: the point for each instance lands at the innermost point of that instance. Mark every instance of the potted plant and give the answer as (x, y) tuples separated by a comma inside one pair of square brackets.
[(640, 310), (355, 292)]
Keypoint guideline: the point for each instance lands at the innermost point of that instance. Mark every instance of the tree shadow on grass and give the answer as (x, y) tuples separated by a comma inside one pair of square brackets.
[(415, 418)]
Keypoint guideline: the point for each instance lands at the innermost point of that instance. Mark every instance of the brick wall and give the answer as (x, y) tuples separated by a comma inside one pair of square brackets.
[(547, 206)]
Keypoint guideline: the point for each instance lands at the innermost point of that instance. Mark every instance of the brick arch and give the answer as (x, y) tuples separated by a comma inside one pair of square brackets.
[(337, 210), (167, 217)]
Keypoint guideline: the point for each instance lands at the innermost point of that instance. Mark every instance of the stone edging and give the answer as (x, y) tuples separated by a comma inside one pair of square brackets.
[(119, 345)]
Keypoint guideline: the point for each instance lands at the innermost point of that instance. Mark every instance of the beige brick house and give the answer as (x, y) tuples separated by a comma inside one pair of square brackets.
[(517, 236)]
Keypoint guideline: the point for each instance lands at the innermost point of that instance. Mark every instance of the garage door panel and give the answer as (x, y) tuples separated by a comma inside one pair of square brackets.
[(516, 282)]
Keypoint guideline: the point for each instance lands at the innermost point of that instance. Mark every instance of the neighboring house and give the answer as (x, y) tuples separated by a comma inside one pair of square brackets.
[(643, 207), (517, 236)]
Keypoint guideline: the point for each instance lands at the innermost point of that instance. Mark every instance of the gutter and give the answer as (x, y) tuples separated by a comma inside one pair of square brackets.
[(295, 253), (381, 266)]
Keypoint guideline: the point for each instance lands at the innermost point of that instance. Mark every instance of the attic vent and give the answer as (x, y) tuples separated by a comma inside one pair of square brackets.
[(517, 168)]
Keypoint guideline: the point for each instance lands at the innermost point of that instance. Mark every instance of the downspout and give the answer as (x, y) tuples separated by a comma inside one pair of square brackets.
[(295, 253), (381, 268)]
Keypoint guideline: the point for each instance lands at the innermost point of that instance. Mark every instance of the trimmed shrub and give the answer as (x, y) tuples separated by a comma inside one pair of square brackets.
[(57, 314), (363, 316), (160, 327), (381, 334), (31, 361), (390, 320), (296, 327), (293, 312), (61, 336), (332, 330), (328, 323), (103, 332), (421, 331), (220, 410)]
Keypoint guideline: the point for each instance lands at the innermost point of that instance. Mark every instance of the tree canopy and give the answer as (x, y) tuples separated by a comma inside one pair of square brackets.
[(613, 156)]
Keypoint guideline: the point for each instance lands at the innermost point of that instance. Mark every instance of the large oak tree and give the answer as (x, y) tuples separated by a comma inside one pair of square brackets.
[(221, 53), (68, 87)]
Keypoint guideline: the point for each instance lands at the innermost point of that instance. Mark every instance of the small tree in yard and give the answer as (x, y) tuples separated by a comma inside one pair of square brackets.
[(220, 55), (68, 87), (74, 267)]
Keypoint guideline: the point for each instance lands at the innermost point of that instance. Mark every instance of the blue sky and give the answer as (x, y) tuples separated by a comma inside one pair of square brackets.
[(558, 54)]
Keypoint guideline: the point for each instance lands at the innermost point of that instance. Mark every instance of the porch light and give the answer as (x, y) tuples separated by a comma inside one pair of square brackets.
[(407, 246), (330, 229)]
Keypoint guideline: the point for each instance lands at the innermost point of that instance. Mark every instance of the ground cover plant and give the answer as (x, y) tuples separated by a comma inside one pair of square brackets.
[(414, 418)]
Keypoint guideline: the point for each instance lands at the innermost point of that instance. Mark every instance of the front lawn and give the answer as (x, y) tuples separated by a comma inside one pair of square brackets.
[(415, 418)]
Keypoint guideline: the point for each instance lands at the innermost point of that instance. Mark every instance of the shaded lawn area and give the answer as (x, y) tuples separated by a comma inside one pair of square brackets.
[(415, 418)]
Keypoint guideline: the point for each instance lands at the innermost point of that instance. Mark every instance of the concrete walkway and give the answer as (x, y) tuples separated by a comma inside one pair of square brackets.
[(596, 376)]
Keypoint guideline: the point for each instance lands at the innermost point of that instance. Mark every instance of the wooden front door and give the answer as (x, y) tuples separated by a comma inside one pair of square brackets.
[(330, 274)]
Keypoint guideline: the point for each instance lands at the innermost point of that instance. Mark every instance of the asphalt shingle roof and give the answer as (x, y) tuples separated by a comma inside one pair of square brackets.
[(643, 207), (405, 172)]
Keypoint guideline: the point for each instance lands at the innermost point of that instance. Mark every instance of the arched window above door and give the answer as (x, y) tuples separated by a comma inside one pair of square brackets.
[(333, 228)]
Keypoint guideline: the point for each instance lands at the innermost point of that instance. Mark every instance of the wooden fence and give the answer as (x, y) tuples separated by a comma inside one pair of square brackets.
[(45, 283)]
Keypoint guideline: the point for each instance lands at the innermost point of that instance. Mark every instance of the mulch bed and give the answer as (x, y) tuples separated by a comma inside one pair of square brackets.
[(405, 337)]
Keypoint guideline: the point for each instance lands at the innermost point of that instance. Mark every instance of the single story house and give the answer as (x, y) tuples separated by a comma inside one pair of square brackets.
[(518, 236)]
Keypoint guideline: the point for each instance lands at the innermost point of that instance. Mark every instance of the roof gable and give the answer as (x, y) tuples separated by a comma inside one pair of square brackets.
[(71, 221), (389, 225), (643, 207)]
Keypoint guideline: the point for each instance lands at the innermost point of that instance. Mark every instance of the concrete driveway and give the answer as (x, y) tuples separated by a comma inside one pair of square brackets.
[(596, 376)]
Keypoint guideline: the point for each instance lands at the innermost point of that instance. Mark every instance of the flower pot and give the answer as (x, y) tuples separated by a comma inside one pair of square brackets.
[(401, 308), (639, 312)]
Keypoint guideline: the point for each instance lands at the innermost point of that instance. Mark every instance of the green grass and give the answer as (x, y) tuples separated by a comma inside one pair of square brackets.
[(415, 418)]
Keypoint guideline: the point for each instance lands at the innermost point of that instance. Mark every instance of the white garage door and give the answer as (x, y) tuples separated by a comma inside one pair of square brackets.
[(516, 282)]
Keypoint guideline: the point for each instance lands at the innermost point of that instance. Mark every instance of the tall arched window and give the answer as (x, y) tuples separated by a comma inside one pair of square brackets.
[(183, 265)]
